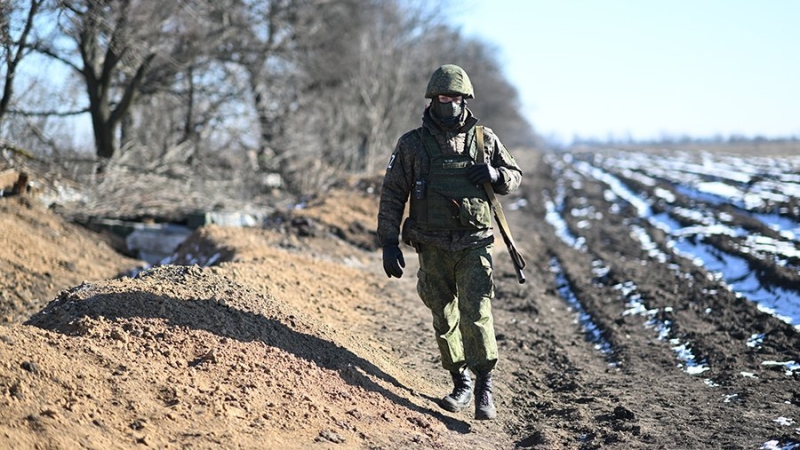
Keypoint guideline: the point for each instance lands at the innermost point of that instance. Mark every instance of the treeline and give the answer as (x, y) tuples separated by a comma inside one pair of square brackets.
[(310, 90), (679, 140)]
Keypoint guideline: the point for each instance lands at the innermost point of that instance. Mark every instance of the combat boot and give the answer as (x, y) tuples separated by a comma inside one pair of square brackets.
[(484, 403), (462, 392)]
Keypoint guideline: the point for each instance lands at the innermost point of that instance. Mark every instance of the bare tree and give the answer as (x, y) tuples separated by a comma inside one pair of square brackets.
[(364, 87), (265, 47), (16, 26), (116, 48), (272, 36), (201, 118), (382, 85)]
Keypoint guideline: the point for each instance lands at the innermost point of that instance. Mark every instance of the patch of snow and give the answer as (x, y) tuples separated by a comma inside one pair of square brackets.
[(590, 328), (791, 366), (755, 340), (730, 397), (784, 421)]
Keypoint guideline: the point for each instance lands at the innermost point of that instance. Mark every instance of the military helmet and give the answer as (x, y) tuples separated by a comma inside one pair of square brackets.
[(450, 80)]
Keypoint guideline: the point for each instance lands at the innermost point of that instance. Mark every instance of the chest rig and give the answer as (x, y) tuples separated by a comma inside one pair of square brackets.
[(443, 198)]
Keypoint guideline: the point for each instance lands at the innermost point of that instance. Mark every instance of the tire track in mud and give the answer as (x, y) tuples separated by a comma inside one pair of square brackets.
[(548, 364), (564, 391)]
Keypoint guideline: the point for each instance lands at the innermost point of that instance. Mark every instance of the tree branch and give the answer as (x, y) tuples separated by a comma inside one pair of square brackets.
[(116, 49), (5, 145), (48, 52), (131, 89), (23, 113)]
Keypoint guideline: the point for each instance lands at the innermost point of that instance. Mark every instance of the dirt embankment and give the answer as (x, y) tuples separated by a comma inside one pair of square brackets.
[(293, 337), (43, 254)]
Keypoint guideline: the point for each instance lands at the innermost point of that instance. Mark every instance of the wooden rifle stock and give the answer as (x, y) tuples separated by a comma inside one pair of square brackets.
[(499, 217)]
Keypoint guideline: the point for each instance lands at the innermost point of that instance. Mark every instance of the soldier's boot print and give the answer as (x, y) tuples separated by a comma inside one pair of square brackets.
[(461, 396), (484, 403)]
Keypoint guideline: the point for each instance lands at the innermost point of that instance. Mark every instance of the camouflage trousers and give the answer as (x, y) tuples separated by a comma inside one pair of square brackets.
[(458, 289)]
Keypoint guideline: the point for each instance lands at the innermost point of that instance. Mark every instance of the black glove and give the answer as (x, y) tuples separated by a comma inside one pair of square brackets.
[(482, 173), (393, 261)]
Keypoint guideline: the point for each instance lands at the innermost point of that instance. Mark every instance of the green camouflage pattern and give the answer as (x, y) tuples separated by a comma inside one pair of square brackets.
[(455, 266), (410, 159), (450, 80), (462, 315), (450, 202)]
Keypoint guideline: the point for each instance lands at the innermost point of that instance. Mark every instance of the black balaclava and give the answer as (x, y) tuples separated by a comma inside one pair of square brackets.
[(449, 114)]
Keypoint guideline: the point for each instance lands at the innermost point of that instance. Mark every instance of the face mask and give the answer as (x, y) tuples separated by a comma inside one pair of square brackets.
[(449, 113)]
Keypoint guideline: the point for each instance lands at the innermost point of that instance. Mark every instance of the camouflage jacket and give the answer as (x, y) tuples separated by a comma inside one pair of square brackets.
[(410, 159)]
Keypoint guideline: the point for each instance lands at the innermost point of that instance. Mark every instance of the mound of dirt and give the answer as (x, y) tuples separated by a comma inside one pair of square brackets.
[(347, 214), (43, 254), (188, 355)]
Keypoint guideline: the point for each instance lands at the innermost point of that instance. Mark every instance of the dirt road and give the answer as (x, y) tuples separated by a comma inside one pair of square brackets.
[(293, 337)]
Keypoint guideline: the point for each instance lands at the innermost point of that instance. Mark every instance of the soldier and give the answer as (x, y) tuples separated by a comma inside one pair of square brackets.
[(449, 226)]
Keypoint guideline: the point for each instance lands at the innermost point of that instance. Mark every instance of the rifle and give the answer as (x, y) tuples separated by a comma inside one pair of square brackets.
[(499, 217)]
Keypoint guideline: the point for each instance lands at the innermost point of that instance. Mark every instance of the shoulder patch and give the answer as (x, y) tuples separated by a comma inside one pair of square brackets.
[(391, 160)]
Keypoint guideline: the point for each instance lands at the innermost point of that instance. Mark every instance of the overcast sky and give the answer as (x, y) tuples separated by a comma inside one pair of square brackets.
[(645, 69)]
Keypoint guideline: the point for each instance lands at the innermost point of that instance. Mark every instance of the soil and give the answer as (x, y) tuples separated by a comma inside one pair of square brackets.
[(292, 337)]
